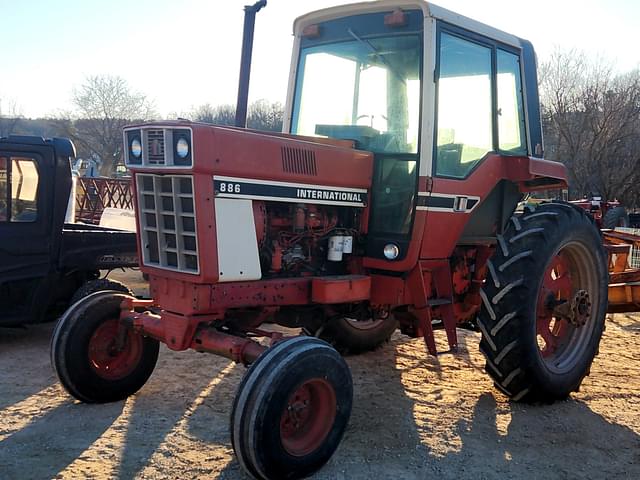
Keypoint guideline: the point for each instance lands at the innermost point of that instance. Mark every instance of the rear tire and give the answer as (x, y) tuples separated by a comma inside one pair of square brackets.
[(351, 328), (352, 336), (96, 357), (291, 409), (548, 255), (615, 217)]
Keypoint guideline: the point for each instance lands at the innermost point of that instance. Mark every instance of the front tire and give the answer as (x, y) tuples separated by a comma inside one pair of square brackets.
[(291, 409), (544, 303), (96, 357)]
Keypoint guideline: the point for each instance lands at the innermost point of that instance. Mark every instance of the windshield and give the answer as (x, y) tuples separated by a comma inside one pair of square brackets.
[(363, 89)]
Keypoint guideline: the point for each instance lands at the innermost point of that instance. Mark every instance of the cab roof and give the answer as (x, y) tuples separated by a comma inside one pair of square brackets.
[(429, 10)]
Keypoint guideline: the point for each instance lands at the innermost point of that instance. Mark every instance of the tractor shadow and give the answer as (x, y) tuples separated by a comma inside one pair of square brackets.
[(24, 360), (125, 435), (168, 401), (46, 444), (414, 417), (563, 440), (50, 443), (625, 321), (382, 439), (496, 439), (459, 427)]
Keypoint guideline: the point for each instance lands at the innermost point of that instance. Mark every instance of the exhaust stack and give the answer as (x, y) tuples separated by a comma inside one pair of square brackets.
[(245, 61)]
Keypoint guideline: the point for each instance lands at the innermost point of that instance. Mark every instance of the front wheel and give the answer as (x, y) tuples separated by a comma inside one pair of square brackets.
[(291, 409), (544, 303), (96, 357)]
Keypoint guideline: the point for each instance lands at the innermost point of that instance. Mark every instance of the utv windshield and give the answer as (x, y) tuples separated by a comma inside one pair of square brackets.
[(364, 88)]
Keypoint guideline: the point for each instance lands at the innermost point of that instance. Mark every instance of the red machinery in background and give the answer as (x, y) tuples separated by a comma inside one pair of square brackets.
[(607, 214)]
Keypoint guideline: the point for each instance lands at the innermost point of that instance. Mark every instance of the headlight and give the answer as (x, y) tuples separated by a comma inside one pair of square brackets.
[(182, 148), (136, 148), (391, 251)]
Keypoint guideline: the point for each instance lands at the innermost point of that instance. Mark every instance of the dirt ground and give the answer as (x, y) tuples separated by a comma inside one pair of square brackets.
[(414, 417)]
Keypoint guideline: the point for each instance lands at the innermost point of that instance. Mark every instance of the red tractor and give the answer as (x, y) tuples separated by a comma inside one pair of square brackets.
[(411, 134), (607, 214)]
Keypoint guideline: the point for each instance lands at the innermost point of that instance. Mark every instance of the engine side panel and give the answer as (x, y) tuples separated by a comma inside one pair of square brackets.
[(237, 244)]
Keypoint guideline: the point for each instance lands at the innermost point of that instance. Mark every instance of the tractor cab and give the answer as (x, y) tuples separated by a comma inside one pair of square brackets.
[(372, 96), (433, 95)]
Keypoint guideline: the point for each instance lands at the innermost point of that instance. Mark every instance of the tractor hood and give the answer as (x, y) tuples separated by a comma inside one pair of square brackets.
[(262, 156)]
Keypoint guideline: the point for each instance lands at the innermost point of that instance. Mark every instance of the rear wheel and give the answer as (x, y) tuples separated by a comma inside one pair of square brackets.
[(291, 409), (615, 217), (544, 303), (356, 329), (96, 357)]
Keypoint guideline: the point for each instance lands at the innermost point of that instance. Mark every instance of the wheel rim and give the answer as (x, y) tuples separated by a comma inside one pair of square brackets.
[(114, 350), (570, 276), (307, 417)]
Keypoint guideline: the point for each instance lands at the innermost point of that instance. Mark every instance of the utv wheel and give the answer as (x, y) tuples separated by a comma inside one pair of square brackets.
[(291, 409), (544, 303), (99, 285), (350, 335), (615, 217), (96, 357)]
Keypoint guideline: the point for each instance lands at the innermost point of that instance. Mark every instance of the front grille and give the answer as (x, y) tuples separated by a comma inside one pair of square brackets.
[(155, 147), (168, 222), (299, 161)]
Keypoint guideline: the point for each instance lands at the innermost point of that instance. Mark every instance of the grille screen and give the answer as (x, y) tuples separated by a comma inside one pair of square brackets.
[(168, 222), (155, 147)]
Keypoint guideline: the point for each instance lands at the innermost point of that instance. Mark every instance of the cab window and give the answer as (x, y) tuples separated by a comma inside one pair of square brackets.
[(511, 127), (18, 189), (465, 128), (372, 94)]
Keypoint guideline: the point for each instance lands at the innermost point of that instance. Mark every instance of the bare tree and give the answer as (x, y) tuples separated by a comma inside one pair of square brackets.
[(10, 117), (219, 115), (265, 116), (104, 104), (262, 115), (592, 124)]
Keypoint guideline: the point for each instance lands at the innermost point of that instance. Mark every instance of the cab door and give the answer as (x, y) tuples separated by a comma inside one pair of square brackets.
[(26, 187)]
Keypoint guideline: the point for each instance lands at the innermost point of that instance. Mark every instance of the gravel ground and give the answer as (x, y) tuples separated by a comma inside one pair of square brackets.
[(414, 417)]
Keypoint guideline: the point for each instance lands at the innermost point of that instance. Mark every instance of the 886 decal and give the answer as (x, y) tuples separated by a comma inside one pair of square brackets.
[(228, 187)]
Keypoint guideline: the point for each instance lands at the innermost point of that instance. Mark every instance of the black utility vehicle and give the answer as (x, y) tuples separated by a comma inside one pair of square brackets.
[(45, 263)]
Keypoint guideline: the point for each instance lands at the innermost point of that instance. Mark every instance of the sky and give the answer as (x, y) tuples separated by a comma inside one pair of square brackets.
[(185, 53)]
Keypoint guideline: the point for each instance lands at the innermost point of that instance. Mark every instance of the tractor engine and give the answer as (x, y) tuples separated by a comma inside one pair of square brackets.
[(304, 239)]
